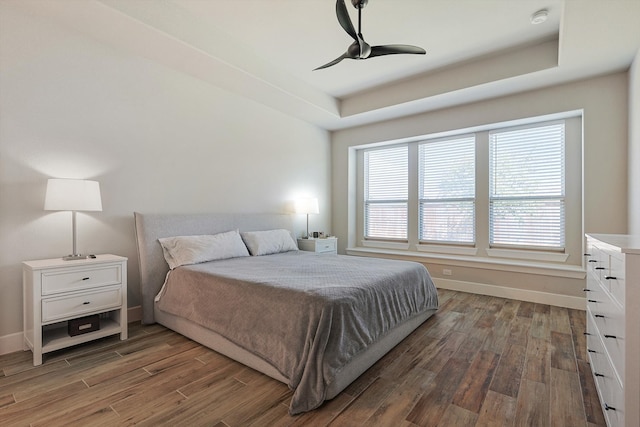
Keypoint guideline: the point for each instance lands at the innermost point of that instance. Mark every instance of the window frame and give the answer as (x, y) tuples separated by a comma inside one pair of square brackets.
[(422, 201), (561, 197), (481, 253)]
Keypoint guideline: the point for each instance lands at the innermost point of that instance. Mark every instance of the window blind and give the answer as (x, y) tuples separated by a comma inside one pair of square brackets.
[(447, 191), (386, 193), (527, 187)]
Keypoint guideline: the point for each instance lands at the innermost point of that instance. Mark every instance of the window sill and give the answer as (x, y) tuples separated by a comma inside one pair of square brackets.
[(485, 263), (448, 250), (528, 255)]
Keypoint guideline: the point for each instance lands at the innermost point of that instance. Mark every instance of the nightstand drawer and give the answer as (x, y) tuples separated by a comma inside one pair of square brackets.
[(321, 246), (80, 278), (328, 245), (58, 308)]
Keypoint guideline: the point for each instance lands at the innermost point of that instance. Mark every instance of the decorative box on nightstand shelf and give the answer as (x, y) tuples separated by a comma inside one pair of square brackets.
[(324, 246), (61, 297)]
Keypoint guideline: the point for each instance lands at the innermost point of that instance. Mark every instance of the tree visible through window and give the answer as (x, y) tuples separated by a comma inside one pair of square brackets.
[(447, 190), (527, 187)]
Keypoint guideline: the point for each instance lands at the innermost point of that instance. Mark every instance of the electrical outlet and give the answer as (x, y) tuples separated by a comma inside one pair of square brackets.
[(446, 272)]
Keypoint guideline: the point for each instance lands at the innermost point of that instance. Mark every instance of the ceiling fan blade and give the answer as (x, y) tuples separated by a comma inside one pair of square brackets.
[(393, 49), (345, 20), (334, 62)]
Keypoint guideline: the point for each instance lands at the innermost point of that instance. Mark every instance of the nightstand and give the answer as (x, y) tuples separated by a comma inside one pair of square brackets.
[(321, 246), (56, 292)]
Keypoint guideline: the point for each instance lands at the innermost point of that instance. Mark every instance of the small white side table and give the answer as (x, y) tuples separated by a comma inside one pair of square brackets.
[(56, 291), (321, 246)]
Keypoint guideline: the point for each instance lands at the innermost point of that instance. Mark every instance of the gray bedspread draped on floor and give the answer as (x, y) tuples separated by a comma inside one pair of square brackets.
[(306, 314)]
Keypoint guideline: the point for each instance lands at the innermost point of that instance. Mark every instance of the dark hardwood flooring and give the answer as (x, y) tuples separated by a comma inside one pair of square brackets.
[(480, 361)]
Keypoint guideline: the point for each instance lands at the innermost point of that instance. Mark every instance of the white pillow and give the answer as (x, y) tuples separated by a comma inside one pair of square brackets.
[(185, 250), (269, 242)]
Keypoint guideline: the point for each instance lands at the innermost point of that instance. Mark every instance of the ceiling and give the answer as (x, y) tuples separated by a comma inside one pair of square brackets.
[(266, 50)]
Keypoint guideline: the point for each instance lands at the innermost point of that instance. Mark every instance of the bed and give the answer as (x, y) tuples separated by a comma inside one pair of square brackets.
[(314, 322)]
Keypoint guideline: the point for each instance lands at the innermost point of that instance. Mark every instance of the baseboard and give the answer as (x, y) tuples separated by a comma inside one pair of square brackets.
[(13, 342), (558, 300), (134, 314), (10, 343)]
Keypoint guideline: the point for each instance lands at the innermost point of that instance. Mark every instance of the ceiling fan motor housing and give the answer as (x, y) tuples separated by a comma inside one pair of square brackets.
[(359, 4)]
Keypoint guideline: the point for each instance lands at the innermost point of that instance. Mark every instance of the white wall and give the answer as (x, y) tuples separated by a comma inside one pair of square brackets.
[(604, 104), (155, 139), (634, 146)]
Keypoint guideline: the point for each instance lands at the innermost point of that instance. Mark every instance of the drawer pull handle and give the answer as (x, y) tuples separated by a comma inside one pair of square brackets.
[(609, 408), (587, 290), (586, 333), (587, 254), (86, 303), (85, 278), (610, 277), (592, 300), (611, 336), (598, 375), (593, 260), (599, 268), (591, 351), (599, 315)]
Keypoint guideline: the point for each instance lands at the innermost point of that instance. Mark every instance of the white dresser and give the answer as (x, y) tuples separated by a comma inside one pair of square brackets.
[(613, 324), (57, 291)]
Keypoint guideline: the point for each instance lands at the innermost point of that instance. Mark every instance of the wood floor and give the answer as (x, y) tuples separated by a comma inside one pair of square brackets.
[(480, 361)]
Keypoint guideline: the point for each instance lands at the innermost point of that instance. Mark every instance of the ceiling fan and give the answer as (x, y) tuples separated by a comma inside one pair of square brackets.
[(360, 49)]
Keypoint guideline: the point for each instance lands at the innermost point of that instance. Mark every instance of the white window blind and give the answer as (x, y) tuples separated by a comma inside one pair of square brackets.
[(527, 187), (386, 193), (447, 191)]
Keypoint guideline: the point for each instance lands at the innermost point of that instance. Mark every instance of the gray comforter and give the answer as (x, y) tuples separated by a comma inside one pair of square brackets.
[(306, 314)]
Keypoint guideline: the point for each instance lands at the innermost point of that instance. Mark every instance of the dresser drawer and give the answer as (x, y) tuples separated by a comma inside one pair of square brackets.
[(610, 390), (70, 306), (609, 322), (614, 281), (597, 261), (80, 278)]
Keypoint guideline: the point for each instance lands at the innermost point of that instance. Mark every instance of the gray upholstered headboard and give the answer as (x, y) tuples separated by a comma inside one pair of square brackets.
[(150, 227)]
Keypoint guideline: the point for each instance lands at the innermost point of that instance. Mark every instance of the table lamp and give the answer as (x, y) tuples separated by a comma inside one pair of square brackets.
[(307, 206), (73, 195)]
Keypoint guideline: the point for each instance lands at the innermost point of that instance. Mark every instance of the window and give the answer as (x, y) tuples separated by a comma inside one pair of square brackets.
[(386, 193), (509, 191), (447, 191), (527, 187)]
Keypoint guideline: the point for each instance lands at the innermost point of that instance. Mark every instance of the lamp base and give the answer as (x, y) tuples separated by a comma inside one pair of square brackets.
[(76, 257)]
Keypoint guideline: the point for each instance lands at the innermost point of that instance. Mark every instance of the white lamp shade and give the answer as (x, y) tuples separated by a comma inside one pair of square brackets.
[(307, 206), (72, 195)]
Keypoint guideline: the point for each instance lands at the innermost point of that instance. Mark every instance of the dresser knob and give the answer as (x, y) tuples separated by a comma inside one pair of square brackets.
[(610, 277), (609, 408), (611, 336)]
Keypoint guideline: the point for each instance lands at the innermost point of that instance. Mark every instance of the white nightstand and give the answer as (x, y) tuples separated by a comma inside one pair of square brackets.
[(321, 246), (56, 291)]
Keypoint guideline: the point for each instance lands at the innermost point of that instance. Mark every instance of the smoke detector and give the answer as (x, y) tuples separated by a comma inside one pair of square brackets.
[(539, 17)]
